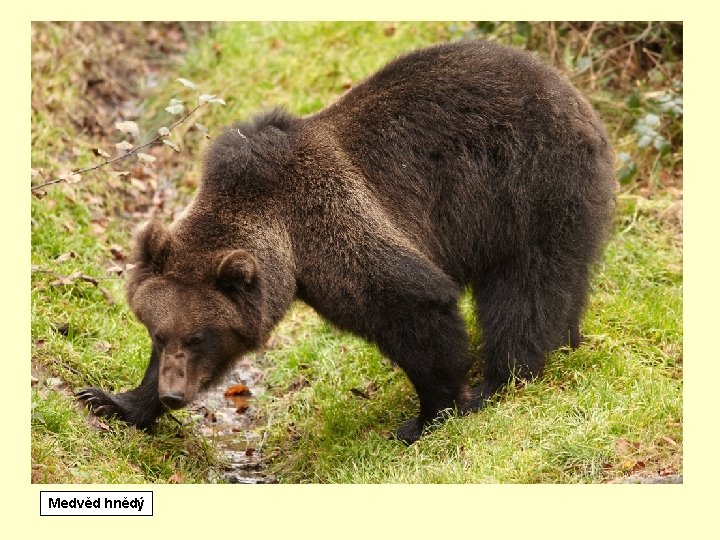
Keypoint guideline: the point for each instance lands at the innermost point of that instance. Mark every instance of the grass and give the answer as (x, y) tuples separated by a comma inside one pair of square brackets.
[(611, 408)]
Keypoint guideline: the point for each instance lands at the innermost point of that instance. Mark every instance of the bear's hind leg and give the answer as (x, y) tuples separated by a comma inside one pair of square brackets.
[(526, 310)]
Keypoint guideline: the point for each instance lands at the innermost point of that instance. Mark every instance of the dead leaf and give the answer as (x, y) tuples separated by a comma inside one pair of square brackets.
[(176, 107), (53, 382), (298, 384), (101, 153), (670, 441), (237, 390), (124, 146), (240, 403), (667, 471), (70, 178), (115, 269), (129, 127), (623, 446), (66, 280), (117, 252), (146, 158), (176, 478), (366, 392), (95, 422), (138, 184), (171, 144), (102, 346), (62, 328), (65, 256)]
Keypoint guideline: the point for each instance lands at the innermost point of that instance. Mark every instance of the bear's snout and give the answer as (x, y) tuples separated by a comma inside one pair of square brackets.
[(174, 400)]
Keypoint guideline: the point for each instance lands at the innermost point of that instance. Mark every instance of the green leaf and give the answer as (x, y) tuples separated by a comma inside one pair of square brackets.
[(628, 170), (568, 57), (662, 145), (633, 101), (523, 28), (486, 27)]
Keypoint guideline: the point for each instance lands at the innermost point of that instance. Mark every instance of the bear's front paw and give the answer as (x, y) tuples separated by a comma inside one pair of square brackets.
[(410, 431), (100, 402)]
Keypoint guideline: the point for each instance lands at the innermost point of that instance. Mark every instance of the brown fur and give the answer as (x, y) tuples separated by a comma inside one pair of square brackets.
[(466, 164)]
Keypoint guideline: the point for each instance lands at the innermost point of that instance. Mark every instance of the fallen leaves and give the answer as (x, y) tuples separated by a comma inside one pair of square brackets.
[(117, 252), (65, 257), (237, 390), (95, 422), (365, 393), (72, 279), (237, 395)]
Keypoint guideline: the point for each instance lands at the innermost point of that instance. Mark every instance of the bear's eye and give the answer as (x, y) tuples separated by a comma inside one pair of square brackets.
[(195, 340), (160, 340)]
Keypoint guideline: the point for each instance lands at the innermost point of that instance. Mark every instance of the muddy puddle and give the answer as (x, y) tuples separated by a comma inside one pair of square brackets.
[(228, 415)]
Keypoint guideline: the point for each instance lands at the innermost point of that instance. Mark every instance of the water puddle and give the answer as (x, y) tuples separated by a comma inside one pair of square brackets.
[(227, 415)]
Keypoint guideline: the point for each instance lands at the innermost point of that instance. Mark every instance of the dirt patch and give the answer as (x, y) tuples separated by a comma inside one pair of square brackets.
[(227, 414)]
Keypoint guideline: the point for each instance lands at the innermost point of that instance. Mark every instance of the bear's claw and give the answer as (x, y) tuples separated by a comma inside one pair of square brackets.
[(98, 402)]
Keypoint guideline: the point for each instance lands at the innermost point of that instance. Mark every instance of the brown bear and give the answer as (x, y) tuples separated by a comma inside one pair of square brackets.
[(465, 164)]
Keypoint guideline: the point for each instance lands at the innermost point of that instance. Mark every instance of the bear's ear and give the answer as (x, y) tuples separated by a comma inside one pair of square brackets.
[(237, 270), (152, 245)]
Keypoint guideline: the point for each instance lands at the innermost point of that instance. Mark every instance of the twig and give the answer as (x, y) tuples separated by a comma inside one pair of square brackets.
[(67, 280), (586, 39), (118, 158), (83, 277)]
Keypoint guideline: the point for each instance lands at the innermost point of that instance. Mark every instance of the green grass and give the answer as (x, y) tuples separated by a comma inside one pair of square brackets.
[(610, 408)]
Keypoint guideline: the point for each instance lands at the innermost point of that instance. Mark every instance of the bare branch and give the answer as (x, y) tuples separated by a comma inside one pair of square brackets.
[(118, 158)]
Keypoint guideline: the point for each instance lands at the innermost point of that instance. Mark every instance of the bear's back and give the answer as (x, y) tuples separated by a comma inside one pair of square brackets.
[(469, 146)]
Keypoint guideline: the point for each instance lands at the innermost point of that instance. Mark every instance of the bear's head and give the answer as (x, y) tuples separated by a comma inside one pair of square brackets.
[(202, 308)]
